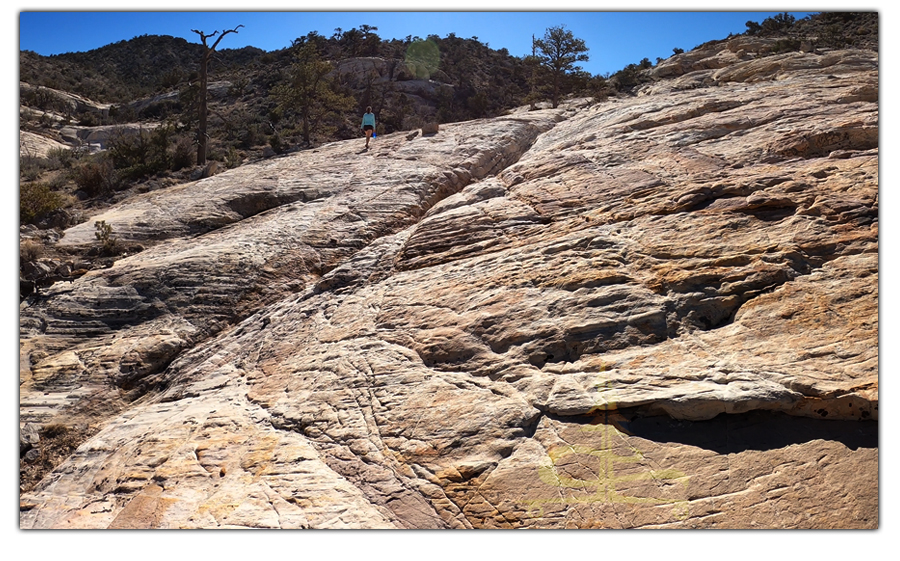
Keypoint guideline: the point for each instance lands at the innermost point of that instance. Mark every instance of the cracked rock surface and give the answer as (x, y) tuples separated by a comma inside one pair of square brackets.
[(652, 312)]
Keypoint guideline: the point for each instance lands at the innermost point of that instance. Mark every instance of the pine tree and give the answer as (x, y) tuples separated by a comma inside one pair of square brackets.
[(558, 52), (309, 91)]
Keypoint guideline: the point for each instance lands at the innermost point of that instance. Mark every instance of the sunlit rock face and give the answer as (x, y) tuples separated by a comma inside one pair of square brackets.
[(658, 311)]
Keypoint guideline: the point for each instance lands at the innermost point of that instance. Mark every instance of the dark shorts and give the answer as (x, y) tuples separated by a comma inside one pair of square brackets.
[(368, 128)]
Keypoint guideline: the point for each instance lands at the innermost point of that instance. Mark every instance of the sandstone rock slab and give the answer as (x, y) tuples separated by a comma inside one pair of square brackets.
[(655, 312)]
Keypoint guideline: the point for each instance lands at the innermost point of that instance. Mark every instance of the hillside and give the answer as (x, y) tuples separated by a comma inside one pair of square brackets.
[(471, 81), (479, 81)]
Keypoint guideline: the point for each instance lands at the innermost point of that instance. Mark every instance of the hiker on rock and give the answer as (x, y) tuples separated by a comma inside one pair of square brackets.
[(368, 124)]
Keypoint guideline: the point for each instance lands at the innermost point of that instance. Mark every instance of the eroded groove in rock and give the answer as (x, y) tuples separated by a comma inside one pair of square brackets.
[(217, 278)]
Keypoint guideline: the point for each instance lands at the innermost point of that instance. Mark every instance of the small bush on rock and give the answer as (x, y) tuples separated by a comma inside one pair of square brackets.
[(30, 250), (108, 244), (37, 200), (31, 167)]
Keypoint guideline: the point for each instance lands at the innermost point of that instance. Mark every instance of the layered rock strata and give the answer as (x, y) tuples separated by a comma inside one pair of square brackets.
[(658, 311)]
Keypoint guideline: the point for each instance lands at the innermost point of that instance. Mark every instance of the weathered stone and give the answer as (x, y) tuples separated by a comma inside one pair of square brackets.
[(75, 102), (28, 437), (659, 311), (37, 146), (99, 137)]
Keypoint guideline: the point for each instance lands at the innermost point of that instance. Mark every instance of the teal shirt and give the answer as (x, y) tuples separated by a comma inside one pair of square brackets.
[(368, 119)]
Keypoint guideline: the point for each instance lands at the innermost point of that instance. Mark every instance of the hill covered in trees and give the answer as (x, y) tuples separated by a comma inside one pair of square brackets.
[(148, 64), (470, 79), (310, 93), (480, 81)]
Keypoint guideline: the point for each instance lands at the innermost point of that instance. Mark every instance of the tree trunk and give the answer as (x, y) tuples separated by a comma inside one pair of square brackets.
[(202, 137), (533, 85), (201, 134), (305, 119), (555, 97)]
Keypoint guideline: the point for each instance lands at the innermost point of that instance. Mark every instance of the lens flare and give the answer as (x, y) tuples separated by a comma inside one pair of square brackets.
[(423, 58)]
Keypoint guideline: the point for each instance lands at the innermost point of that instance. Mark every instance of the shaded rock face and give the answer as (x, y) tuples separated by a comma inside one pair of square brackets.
[(655, 312)]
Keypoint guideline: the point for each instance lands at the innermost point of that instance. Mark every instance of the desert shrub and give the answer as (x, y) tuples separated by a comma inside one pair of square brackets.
[(786, 45), (31, 167), (835, 36), (108, 244), (57, 181), (130, 152), (183, 153), (233, 158), (412, 121), (189, 99), (598, 88), (141, 154), (626, 78), (276, 143), (477, 104), (30, 250), (87, 118), (252, 136), (171, 78), (122, 114), (839, 17), (97, 176), (161, 110), (37, 200), (44, 99), (216, 150), (161, 140), (61, 158), (238, 124), (778, 23), (238, 86)]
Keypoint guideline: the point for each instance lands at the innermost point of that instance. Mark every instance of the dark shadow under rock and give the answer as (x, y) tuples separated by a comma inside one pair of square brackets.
[(757, 430)]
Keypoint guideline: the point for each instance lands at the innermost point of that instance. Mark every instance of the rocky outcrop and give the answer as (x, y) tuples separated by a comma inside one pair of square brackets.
[(72, 102), (748, 59), (658, 311), (216, 90), (38, 146), (396, 81)]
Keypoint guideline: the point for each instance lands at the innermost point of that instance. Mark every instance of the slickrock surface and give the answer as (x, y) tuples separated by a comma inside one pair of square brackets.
[(651, 312), (35, 145)]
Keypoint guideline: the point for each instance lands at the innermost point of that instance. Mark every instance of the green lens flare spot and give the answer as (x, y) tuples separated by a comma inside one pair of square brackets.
[(423, 58)]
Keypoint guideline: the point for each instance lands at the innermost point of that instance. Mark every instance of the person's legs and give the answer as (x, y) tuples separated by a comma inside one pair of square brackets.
[(368, 135)]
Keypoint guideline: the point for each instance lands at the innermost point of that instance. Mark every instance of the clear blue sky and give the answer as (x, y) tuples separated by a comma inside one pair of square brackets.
[(615, 38)]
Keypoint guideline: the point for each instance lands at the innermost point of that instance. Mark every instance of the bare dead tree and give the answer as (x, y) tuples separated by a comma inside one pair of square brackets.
[(202, 138)]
